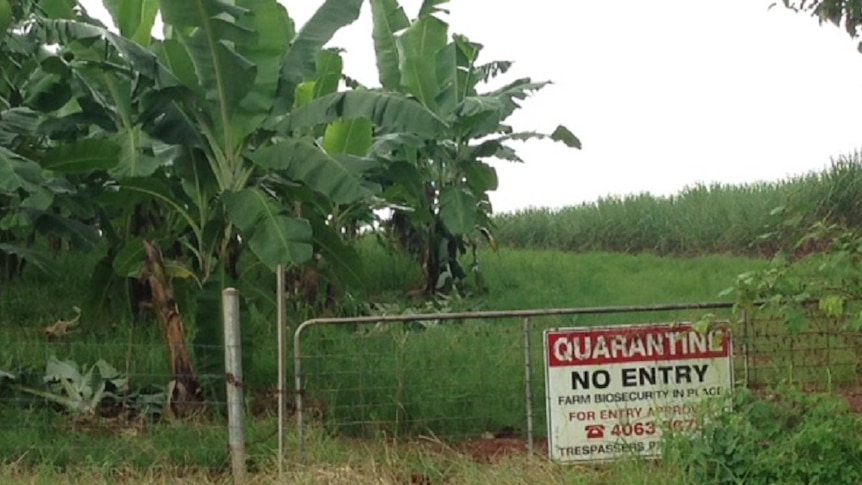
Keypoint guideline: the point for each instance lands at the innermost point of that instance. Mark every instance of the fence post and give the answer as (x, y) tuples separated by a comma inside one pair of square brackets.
[(233, 380), (297, 389), (282, 380), (746, 347), (528, 383)]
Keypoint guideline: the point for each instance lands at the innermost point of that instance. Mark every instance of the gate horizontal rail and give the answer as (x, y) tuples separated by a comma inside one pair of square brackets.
[(496, 314)]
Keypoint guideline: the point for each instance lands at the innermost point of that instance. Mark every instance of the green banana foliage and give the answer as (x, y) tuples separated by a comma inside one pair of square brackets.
[(444, 183)]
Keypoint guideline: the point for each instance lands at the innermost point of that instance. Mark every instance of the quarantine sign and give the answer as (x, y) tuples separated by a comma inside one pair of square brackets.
[(612, 391)]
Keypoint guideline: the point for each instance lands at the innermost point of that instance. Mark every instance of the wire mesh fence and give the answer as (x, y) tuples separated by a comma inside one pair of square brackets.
[(403, 379), (462, 377), (481, 375), (458, 377), (68, 403), (822, 355)]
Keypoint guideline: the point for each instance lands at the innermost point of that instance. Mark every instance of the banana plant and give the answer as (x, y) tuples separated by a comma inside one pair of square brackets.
[(34, 200), (56, 116), (245, 136), (25, 193), (444, 183), (229, 116)]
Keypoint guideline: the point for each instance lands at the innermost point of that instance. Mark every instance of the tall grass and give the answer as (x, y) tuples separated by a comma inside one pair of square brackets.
[(702, 219)]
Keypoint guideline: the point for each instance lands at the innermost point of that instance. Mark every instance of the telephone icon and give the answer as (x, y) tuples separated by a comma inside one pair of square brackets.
[(595, 431)]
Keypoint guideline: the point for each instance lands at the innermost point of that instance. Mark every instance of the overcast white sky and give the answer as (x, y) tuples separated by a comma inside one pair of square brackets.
[(662, 94)]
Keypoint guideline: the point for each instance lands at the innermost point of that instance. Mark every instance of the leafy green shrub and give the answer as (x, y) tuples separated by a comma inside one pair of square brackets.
[(88, 390), (788, 438)]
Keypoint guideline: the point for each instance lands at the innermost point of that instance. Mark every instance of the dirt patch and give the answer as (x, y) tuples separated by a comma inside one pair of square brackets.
[(492, 450), (482, 449), (853, 397)]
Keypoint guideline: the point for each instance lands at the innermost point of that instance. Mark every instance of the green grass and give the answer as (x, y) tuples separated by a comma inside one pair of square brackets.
[(554, 278)]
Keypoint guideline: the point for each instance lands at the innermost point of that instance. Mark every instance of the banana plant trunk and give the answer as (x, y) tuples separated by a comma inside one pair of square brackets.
[(431, 260), (185, 394)]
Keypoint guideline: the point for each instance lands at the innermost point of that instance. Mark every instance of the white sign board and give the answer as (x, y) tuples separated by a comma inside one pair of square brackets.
[(611, 391)]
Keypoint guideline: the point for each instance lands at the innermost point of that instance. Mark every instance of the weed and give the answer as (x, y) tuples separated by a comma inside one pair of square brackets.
[(779, 437)]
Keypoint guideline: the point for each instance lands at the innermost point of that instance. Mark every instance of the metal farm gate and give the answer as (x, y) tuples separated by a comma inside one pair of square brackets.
[(472, 374)]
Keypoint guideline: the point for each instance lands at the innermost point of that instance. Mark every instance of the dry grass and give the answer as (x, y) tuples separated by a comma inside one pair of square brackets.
[(509, 471), (351, 462)]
